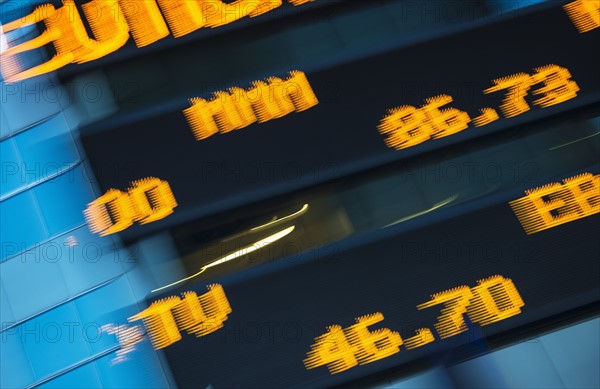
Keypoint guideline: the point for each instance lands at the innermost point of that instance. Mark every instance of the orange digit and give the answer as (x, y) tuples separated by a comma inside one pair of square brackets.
[(406, 126), (110, 213), (487, 116), (451, 322), (518, 85), (372, 346), (331, 349), (558, 87), (153, 199), (446, 121), (495, 299)]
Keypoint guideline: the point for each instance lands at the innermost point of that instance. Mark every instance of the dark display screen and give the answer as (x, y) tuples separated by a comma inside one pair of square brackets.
[(340, 135), (279, 309), (425, 288)]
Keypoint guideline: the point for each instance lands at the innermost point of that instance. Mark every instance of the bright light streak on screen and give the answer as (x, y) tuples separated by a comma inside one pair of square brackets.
[(236, 254)]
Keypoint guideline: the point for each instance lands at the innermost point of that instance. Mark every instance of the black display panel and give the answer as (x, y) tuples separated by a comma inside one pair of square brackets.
[(280, 308), (339, 135)]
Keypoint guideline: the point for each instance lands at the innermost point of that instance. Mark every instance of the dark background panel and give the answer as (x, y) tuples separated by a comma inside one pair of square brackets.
[(280, 308), (339, 136)]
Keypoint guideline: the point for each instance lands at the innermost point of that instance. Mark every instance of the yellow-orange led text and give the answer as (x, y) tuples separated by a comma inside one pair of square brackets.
[(238, 108), (408, 126), (197, 315), (555, 204), (147, 201), (111, 23), (585, 14), (492, 300)]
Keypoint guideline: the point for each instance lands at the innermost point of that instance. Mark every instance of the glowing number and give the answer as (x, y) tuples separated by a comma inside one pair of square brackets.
[(152, 199), (495, 299), (446, 121), (487, 116), (558, 87), (518, 85), (456, 300), (585, 14), (148, 200), (199, 315), (114, 203), (556, 204), (406, 126), (342, 349), (333, 350), (423, 337), (239, 108), (372, 346), (160, 323)]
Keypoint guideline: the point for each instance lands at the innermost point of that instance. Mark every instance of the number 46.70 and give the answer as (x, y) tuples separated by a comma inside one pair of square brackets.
[(494, 299)]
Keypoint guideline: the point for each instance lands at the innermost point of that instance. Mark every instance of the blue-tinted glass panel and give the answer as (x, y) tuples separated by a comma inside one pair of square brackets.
[(21, 225), (63, 200), (575, 352), (47, 149), (82, 378), (33, 280), (11, 174), (58, 339), (19, 98), (15, 369), (87, 260)]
